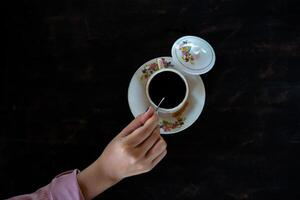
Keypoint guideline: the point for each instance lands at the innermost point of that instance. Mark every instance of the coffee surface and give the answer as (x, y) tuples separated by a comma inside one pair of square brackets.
[(169, 85)]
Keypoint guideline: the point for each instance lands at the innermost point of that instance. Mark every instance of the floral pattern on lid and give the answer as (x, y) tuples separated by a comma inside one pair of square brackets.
[(186, 52)]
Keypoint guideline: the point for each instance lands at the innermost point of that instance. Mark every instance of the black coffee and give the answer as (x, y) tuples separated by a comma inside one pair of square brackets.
[(169, 85)]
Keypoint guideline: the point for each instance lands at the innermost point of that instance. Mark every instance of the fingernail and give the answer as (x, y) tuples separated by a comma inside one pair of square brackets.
[(147, 109)]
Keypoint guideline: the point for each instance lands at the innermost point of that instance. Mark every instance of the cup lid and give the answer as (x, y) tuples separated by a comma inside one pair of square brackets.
[(193, 55)]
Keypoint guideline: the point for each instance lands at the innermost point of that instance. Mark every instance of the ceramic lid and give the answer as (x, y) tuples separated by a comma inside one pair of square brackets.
[(193, 55)]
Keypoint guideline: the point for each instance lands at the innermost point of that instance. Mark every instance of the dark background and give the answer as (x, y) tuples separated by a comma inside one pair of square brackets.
[(64, 85)]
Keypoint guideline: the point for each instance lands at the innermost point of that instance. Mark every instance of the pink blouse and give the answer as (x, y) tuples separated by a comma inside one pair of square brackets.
[(64, 186)]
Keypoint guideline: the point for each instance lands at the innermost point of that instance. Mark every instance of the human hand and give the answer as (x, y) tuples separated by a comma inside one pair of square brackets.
[(137, 149)]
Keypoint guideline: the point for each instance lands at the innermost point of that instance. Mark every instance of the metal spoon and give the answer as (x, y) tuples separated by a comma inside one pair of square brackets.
[(159, 104)]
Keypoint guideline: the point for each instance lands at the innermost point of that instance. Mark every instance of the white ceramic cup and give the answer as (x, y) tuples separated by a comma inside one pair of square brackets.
[(179, 106)]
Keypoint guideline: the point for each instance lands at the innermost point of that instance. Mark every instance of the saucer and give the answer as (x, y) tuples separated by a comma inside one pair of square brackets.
[(169, 123), (193, 55)]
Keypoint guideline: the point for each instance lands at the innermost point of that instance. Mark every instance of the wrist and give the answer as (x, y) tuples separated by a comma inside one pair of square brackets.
[(105, 172), (94, 180)]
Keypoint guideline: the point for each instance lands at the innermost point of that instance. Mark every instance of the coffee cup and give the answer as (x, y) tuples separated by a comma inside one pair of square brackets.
[(170, 85)]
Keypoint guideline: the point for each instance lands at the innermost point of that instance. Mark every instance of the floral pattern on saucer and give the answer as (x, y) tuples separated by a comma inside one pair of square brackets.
[(169, 123), (168, 126), (178, 119), (186, 55), (153, 67)]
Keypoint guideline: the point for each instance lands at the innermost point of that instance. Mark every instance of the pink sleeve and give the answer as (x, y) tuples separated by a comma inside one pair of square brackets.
[(63, 186)]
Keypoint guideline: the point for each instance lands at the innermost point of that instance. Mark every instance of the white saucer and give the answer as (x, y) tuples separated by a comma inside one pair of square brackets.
[(169, 124)]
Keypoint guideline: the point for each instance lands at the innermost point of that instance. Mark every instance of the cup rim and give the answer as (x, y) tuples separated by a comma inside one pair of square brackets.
[(174, 109)]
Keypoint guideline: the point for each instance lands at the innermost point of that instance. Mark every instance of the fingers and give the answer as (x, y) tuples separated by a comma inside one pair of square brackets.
[(143, 132), (146, 145), (137, 122), (156, 149), (159, 158)]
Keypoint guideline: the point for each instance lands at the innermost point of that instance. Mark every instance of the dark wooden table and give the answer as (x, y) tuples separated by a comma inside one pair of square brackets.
[(64, 95)]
